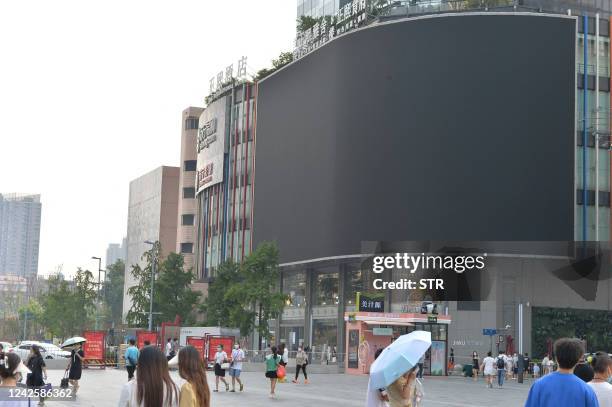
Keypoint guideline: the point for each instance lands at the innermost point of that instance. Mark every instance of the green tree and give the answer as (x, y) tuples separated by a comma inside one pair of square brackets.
[(34, 313), (55, 302), (217, 306), (173, 294), (306, 23), (140, 293), (283, 59), (113, 290)]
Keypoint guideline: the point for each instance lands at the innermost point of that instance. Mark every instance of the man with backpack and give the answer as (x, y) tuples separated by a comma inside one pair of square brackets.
[(500, 363)]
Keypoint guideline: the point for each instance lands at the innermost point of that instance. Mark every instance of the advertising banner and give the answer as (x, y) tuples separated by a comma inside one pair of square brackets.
[(211, 145), (94, 347), (142, 336), (438, 357), (199, 343)]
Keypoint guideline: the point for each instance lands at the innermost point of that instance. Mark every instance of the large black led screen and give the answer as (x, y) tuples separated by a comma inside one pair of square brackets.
[(448, 127)]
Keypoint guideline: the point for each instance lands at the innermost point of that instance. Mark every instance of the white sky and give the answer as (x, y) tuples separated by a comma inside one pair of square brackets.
[(91, 95)]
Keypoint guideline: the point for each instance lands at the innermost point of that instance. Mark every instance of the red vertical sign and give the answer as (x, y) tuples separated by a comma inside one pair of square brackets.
[(214, 341), (199, 343), (94, 347), (142, 336)]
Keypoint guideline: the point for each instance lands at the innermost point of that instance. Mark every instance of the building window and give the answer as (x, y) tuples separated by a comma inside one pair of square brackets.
[(188, 220), (189, 192), (186, 248), (191, 123), (190, 165)]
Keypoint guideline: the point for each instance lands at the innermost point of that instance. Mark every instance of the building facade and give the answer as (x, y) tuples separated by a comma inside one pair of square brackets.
[(370, 154), (224, 177), (187, 214), (152, 216), (20, 216), (319, 8), (116, 251)]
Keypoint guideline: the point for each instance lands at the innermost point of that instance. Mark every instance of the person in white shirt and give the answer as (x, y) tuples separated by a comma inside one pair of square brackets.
[(236, 367), (153, 385), (220, 359), (488, 367), (602, 365), (169, 354), (545, 365)]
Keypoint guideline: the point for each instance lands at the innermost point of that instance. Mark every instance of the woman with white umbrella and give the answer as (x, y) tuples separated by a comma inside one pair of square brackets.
[(75, 366), (394, 372)]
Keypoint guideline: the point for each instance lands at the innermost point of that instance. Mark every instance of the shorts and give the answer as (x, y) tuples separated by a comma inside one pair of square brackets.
[(218, 371), (271, 374), (234, 372)]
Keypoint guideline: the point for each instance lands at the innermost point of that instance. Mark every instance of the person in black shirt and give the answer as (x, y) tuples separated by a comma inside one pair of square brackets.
[(75, 367), (584, 371)]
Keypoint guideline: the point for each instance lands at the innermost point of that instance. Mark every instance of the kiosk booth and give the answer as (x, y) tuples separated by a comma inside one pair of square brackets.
[(367, 332)]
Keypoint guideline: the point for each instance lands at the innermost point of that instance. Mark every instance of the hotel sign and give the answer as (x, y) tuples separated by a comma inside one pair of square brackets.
[(354, 14), (211, 146)]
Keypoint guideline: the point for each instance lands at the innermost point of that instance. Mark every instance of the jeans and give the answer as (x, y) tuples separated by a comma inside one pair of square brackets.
[(501, 373)]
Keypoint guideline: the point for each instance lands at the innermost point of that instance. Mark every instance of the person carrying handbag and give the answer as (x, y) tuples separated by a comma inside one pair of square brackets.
[(221, 365), (301, 360)]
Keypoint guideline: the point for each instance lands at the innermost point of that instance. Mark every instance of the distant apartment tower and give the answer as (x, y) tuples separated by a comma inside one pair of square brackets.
[(19, 234), (116, 251), (187, 204), (152, 214)]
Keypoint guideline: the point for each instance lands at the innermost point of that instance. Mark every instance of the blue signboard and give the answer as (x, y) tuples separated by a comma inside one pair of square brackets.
[(489, 331)]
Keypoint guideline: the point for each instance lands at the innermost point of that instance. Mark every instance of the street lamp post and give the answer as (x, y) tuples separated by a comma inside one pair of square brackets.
[(152, 284), (98, 293)]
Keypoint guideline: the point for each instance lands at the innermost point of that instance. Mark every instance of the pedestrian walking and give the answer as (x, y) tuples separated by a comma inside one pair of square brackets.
[(220, 363), (169, 349), (545, 361), (75, 367), (11, 372), (131, 358), (514, 366), (38, 369), (273, 360), (602, 365), (536, 371), (500, 364), (508, 367), (421, 366), (488, 367), (284, 352), (301, 360), (584, 370), (194, 392), (377, 397), (562, 388), (153, 386), (475, 365), (236, 367)]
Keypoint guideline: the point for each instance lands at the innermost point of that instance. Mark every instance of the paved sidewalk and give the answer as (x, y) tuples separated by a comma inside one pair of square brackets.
[(101, 388)]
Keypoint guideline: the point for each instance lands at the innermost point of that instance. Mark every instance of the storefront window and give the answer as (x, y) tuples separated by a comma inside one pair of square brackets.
[(294, 285), (354, 284), (324, 337), (326, 287), (292, 336)]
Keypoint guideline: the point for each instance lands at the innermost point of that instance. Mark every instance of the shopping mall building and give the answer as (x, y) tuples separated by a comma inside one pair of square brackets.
[(425, 127)]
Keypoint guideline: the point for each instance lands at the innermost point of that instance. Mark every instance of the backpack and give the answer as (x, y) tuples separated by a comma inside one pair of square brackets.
[(501, 364)]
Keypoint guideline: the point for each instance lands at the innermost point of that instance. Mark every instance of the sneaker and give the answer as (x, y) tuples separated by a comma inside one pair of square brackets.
[(241, 386), (216, 390), (227, 387), (232, 391), (294, 381)]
